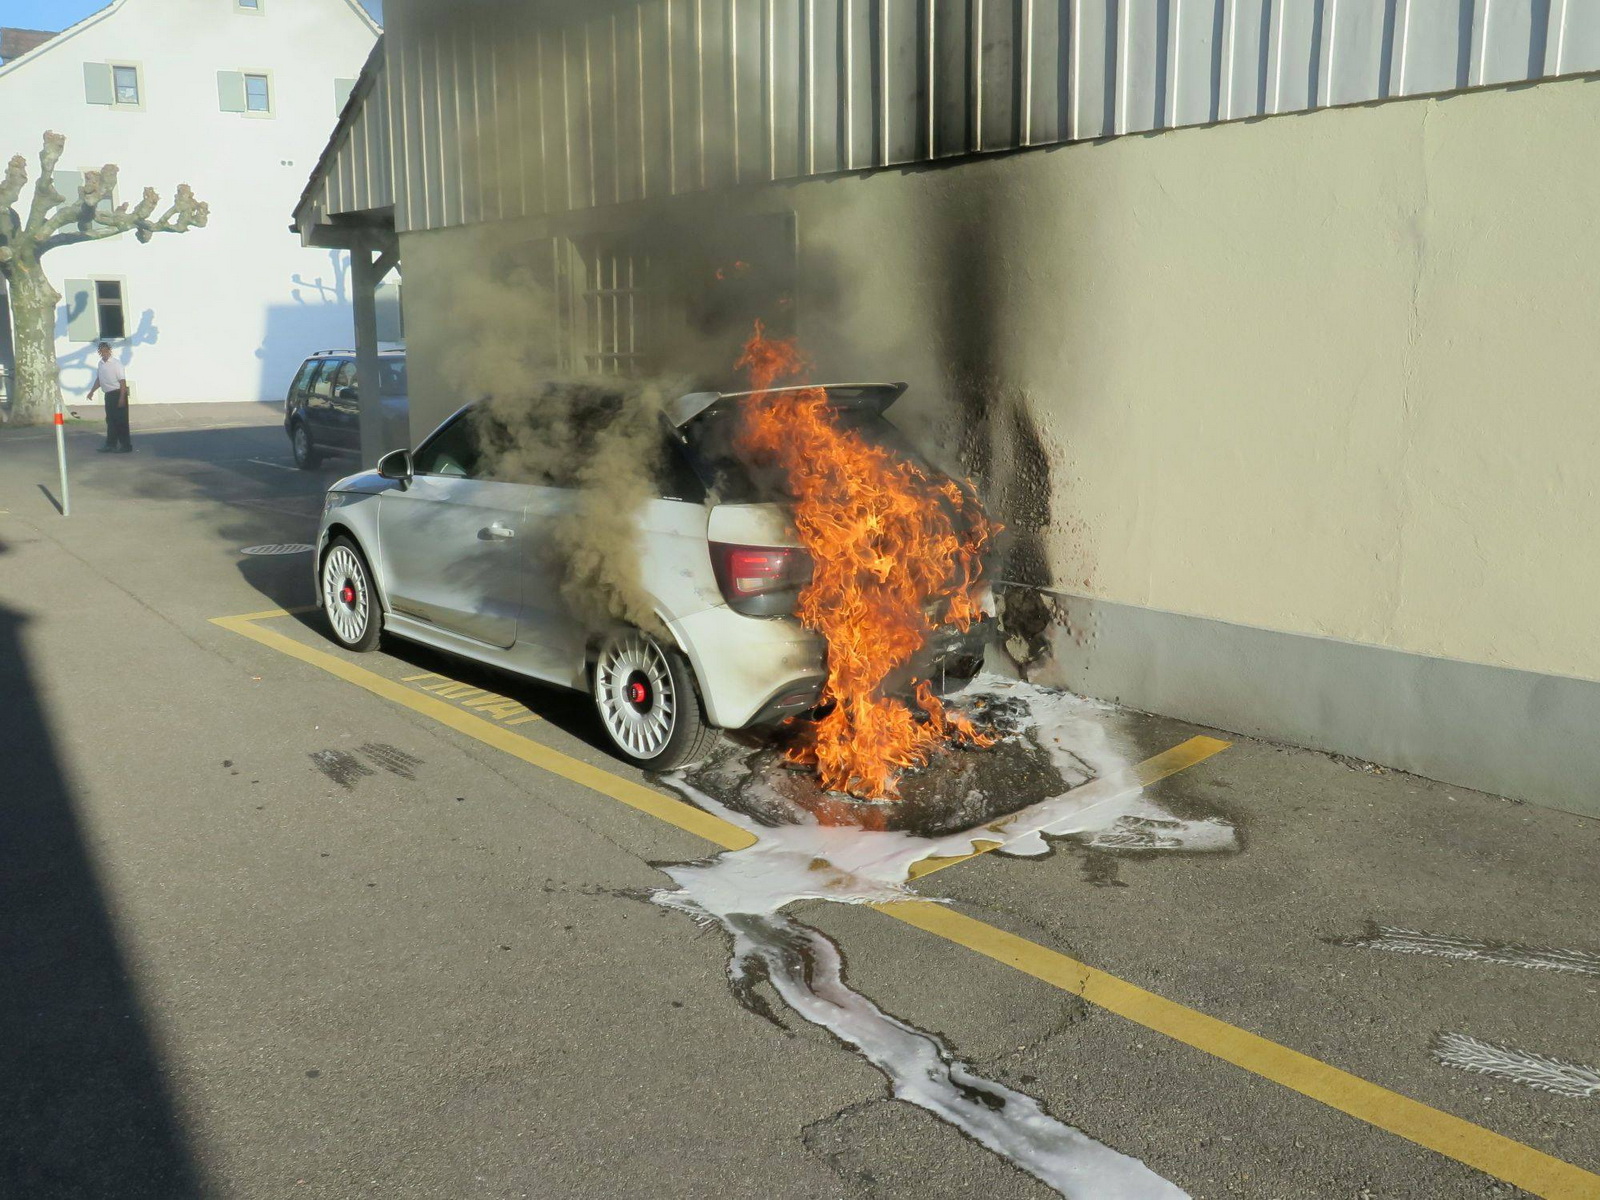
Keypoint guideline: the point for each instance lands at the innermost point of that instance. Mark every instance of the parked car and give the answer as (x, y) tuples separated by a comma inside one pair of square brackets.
[(322, 412), (432, 547)]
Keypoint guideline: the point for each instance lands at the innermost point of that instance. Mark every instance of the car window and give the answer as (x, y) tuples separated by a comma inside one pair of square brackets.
[(675, 475), (713, 443), (570, 433), (452, 451), (347, 376), (302, 382), (391, 377), (322, 386)]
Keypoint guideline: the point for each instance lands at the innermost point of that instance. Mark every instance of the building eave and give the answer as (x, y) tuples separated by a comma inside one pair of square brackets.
[(304, 221)]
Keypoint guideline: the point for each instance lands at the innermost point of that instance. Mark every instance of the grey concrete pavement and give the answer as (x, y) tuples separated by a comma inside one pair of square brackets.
[(238, 977)]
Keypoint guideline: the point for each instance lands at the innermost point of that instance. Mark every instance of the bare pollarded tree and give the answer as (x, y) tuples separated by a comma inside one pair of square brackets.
[(54, 220)]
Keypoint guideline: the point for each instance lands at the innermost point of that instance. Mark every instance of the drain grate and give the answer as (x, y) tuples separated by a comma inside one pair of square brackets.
[(277, 548)]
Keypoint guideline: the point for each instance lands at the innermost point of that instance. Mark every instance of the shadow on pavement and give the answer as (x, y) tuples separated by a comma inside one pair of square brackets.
[(84, 1109)]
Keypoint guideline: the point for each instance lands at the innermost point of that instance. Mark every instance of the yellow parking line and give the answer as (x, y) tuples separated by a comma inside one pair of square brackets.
[(1529, 1169), (1480, 1148), (646, 800), (1168, 762)]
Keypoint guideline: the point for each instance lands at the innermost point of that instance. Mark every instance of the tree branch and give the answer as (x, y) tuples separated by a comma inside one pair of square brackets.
[(186, 213), (45, 196), (10, 188)]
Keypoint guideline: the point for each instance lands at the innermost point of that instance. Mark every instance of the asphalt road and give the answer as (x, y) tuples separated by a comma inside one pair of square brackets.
[(235, 965)]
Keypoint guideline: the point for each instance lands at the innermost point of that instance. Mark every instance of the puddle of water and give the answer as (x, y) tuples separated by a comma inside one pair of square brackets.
[(1054, 774)]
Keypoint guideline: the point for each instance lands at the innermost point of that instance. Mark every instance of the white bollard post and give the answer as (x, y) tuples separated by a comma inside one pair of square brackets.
[(61, 457)]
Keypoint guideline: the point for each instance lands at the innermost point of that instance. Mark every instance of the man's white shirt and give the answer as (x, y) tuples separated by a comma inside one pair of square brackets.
[(110, 375)]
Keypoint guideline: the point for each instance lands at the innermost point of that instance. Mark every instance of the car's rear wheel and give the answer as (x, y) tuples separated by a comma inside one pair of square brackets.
[(306, 456), (349, 599), (649, 702)]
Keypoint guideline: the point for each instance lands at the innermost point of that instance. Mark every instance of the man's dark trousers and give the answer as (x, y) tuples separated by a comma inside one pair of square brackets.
[(117, 435)]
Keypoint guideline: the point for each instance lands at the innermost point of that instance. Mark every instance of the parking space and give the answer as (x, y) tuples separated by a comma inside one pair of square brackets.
[(389, 924)]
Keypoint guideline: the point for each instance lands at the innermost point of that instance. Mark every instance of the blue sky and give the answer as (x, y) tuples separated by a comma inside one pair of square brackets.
[(58, 14)]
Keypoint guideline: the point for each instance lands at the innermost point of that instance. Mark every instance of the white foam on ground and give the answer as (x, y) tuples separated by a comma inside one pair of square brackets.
[(812, 861), (744, 891)]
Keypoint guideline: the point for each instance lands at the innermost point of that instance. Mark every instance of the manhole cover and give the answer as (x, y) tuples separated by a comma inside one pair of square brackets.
[(278, 548)]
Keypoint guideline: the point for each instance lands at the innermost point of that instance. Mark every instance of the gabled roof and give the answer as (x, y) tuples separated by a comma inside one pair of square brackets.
[(14, 43), (55, 40)]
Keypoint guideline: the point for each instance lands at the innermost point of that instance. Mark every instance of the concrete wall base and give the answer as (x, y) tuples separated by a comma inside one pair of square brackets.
[(1517, 734)]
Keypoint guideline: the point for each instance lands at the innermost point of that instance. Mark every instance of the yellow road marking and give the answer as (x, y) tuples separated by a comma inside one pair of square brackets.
[(1527, 1168), (1168, 762), (503, 708), (1477, 1147), (646, 800)]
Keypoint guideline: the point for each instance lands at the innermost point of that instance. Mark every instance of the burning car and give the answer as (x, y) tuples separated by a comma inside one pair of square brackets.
[(481, 541)]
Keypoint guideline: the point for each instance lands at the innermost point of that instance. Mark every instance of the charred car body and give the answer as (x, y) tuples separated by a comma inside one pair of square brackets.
[(460, 548)]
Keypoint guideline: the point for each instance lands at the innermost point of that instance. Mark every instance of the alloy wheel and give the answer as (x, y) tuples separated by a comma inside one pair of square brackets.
[(635, 694), (345, 594)]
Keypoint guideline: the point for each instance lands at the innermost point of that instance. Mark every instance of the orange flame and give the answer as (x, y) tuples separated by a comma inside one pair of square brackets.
[(896, 554)]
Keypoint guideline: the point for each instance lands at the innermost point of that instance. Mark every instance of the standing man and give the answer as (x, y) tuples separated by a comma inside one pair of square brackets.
[(112, 381)]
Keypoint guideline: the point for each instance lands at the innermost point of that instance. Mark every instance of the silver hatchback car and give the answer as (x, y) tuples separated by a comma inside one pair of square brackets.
[(432, 547)]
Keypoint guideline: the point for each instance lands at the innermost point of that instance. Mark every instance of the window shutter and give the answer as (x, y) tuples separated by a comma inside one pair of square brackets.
[(97, 83), (341, 94), (230, 91), (68, 183), (83, 321)]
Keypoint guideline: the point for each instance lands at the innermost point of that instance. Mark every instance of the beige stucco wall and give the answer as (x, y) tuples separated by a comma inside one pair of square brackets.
[(1331, 373)]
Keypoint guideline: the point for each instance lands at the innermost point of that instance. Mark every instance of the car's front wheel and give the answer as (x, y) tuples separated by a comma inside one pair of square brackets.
[(305, 452), (348, 597), (649, 702)]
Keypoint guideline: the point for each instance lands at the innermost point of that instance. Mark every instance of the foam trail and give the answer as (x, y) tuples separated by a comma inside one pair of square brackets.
[(806, 970), (744, 891)]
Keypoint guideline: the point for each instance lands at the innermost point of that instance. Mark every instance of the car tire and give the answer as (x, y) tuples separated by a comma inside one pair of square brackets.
[(306, 456), (649, 702), (349, 599)]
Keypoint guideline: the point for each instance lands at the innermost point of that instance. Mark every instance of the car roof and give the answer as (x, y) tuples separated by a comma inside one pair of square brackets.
[(874, 395), (352, 354)]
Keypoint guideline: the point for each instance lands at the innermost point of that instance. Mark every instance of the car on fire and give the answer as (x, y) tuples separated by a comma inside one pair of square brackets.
[(439, 546)]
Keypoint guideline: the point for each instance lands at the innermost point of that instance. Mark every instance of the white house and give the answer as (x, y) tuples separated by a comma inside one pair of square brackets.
[(235, 98)]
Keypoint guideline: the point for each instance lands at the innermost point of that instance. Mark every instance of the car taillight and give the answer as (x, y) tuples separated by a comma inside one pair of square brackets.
[(762, 581)]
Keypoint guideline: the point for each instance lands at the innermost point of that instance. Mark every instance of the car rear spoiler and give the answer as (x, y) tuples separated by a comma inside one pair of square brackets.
[(877, 396)]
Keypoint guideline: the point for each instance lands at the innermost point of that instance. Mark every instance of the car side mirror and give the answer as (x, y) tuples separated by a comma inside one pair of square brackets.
[(348, 393), (396, 465)]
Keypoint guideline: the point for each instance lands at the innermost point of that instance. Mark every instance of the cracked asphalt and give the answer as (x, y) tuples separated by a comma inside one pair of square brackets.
[(266, 934)]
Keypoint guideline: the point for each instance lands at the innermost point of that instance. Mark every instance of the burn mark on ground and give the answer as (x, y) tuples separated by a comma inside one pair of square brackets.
[(343, 768), (959, 790), (392, 759)]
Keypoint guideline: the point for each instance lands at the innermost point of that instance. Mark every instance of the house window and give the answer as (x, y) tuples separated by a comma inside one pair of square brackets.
[(115, 85), (613, 309), (125, 82), (108, 307), (257, 94), (249, 6)]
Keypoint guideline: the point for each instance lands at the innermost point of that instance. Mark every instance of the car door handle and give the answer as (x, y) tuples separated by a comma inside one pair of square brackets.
[(497, 530)]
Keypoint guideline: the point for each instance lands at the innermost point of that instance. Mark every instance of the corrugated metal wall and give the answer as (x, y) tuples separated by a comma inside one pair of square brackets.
[(511, 109)]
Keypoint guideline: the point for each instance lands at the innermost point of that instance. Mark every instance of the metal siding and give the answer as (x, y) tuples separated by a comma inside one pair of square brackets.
[(1045, 47), (902, 92), (1141, 65), (1579, 37), (1515, 40), (634, 99)]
